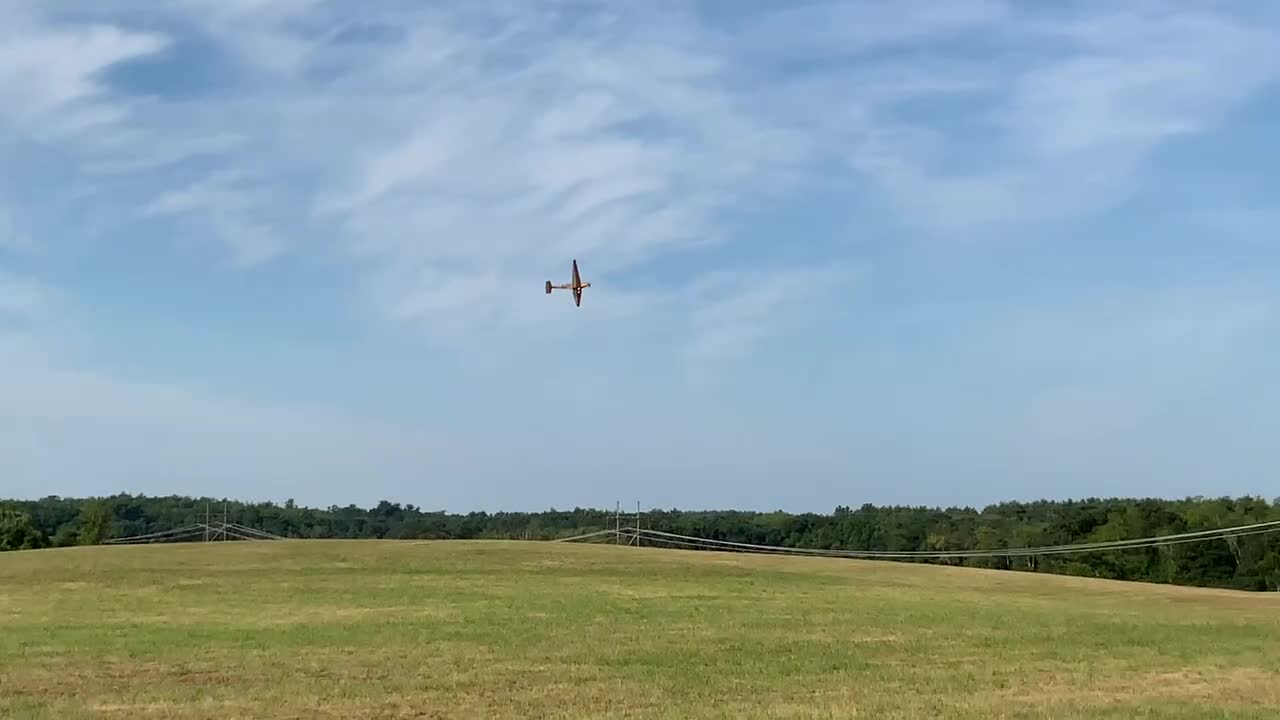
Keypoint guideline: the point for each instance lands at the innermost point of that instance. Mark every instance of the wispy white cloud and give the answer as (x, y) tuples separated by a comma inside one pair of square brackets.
[(733, 314), (1138, 79), (821, 30), (50, 73), (1060, 115), (226, 204), (450, 158), (456, 152)]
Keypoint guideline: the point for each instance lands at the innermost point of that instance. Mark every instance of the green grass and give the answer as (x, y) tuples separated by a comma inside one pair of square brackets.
[(376, 629)]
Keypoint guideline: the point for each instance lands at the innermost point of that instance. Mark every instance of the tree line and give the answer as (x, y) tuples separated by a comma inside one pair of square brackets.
[(1246, 563)]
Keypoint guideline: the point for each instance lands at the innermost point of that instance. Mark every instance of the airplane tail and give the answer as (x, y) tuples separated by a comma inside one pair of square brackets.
[(548, 287)]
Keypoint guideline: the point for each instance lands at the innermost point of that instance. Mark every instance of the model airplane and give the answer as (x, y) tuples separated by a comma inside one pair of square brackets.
[(577, 286)]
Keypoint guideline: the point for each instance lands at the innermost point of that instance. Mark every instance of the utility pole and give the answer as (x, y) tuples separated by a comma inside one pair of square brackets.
[(637, 523), (617, 523), (206, 521)]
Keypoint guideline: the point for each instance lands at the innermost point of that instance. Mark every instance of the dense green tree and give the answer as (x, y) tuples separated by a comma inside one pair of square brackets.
[(95, 522), (1250, 562), (66, 536), (19, 532)]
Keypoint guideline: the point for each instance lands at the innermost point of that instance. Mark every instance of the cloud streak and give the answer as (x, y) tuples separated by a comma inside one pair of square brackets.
[(51, 74), (454, 152), (423, 168)]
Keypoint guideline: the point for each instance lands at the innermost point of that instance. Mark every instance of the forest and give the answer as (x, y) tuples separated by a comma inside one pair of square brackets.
[(1245, 563)]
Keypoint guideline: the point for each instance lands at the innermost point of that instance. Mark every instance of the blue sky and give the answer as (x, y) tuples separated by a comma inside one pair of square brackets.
[(940, 252)]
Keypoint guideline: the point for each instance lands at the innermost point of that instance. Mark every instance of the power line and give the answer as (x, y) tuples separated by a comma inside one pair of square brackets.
[(1136, 543), (215, 531)]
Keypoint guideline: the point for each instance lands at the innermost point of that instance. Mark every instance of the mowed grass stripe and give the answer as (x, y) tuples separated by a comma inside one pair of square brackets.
[(365, 629)]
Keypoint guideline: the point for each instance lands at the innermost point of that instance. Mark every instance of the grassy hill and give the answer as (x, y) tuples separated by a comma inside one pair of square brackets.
[(376, 629)]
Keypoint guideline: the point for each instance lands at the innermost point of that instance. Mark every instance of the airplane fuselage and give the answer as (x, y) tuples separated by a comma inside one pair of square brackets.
[(577, 286)]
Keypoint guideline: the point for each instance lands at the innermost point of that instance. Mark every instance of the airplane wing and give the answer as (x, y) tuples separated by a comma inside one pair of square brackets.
[(576, 286)]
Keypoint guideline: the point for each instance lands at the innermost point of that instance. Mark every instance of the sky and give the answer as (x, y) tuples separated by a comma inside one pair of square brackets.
[(946, 252)]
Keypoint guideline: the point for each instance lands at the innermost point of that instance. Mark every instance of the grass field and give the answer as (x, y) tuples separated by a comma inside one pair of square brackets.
[(375, 629)]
